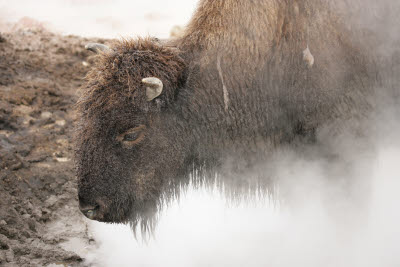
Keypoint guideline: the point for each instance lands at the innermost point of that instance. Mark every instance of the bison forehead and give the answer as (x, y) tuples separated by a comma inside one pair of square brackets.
[(117, 77), (141, 58)]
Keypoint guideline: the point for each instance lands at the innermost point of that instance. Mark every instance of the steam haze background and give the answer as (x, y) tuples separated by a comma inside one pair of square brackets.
[(342, 212), (102, 18)]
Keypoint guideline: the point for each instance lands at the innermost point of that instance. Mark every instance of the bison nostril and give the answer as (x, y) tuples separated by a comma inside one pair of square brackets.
[(90, 212)]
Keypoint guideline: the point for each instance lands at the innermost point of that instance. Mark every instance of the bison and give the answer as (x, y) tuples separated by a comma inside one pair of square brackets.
[(245, 77)]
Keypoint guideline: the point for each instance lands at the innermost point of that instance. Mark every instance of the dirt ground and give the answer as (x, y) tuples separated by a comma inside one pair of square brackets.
[(40, 73)]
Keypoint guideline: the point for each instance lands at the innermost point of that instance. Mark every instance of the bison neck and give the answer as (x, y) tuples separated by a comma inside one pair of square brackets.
[(249, 86), (233, 22)]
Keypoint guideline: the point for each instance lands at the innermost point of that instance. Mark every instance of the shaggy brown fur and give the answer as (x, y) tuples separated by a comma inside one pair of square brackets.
[(236, 86)]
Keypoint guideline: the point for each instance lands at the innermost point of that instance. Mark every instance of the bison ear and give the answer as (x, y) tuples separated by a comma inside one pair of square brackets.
[(96, 47), (154, 87)]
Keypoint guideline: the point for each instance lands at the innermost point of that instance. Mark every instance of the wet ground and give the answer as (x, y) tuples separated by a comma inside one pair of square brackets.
[(39, 76)]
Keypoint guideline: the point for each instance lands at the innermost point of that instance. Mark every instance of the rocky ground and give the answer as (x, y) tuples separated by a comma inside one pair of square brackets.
[(40, 73)]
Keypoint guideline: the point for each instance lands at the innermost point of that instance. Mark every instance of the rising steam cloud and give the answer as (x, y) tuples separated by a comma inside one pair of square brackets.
[(340, 213)]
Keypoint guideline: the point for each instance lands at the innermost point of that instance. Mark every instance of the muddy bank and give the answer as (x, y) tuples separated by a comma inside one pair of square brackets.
[(39, 76)]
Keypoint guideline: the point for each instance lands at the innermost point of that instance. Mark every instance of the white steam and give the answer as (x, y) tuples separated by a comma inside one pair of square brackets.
[(351, 221), (102, 18)]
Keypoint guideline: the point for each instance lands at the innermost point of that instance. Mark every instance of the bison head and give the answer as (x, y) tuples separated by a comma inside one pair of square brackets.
[(125, 145)]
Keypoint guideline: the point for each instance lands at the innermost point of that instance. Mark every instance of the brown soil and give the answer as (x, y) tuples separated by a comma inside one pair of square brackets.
[(39, 220)]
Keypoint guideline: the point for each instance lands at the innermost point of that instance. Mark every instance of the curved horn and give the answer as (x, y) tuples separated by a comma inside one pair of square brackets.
[(96, 47), (154, 87)]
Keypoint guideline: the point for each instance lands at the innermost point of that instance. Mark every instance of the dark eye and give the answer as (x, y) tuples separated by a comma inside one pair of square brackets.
[(132, 136)]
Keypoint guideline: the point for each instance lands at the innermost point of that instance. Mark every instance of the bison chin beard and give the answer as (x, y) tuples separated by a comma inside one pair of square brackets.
[(143, 217)]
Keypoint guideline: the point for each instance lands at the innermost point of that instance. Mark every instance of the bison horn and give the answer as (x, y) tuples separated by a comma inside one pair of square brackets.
[(154, 87), (96, 47)]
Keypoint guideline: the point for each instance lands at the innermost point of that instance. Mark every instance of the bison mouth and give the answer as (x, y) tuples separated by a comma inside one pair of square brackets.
[(103, 212), (131, 213)]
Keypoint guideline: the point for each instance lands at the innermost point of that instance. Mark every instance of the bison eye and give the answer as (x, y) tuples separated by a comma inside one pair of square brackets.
[(132, 136)]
